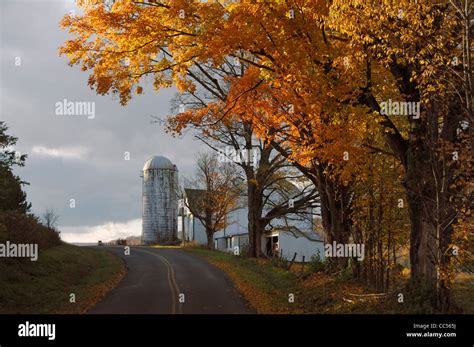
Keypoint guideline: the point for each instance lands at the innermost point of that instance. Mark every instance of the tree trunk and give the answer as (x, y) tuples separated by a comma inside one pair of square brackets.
[(358, 267), (210, 239), (209, 230), (423, 276), (254, 220), (335, 213), (430, 237)]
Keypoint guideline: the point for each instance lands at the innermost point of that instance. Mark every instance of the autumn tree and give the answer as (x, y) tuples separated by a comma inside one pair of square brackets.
[(416, 44), (354, 57), (267, 174), (380, 219), (358, 56), (217, 194), (300, 114)]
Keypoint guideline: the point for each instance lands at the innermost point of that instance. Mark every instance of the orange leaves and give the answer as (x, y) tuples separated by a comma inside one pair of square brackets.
[(297, 77), (283, 73), (207, 115), (119, 45)]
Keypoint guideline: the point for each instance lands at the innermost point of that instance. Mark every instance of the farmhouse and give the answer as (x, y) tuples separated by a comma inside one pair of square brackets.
[(293, 237)]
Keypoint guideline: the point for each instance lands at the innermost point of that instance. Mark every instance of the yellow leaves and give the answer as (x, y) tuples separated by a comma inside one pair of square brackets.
[(183, 84), (286, 62), (267, 74)]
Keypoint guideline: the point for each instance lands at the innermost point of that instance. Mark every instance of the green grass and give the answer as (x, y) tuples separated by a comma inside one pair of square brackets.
[(45, 286)]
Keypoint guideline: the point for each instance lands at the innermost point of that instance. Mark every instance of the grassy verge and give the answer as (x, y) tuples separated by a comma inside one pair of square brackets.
[(267, 288), (45, 286)]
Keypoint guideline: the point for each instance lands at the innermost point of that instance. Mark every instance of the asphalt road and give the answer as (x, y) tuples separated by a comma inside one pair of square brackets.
[(170, 281)]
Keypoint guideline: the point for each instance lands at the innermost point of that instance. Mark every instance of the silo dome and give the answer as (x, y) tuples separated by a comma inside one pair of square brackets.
[(158, 162), (159, 201)]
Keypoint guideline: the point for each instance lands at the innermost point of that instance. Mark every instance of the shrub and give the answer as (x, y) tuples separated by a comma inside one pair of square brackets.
[(316, 264), (281, 262), (345, 274)]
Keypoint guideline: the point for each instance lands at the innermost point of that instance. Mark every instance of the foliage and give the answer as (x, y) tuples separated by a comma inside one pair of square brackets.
[(12, 197), (316, 264), (8, 156), (217, 197), (380, 218)]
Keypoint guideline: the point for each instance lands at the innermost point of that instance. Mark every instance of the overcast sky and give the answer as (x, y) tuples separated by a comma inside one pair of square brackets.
[(74, 157)]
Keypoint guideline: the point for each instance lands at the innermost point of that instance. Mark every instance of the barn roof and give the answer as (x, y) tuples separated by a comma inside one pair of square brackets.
[(194, 196)]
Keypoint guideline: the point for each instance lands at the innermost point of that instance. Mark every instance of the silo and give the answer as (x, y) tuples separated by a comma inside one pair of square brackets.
[(160, 201)]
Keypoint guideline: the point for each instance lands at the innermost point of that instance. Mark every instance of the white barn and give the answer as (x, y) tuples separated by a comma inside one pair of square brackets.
[(290, 237)]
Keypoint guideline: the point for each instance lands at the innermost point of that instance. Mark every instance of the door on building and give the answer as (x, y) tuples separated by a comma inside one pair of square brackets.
[(272, 246)]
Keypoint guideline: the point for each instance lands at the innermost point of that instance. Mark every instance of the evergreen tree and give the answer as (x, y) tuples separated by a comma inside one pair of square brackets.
[(12, 197)]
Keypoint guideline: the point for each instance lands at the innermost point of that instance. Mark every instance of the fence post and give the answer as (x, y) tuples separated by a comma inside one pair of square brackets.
[(292, 261)]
